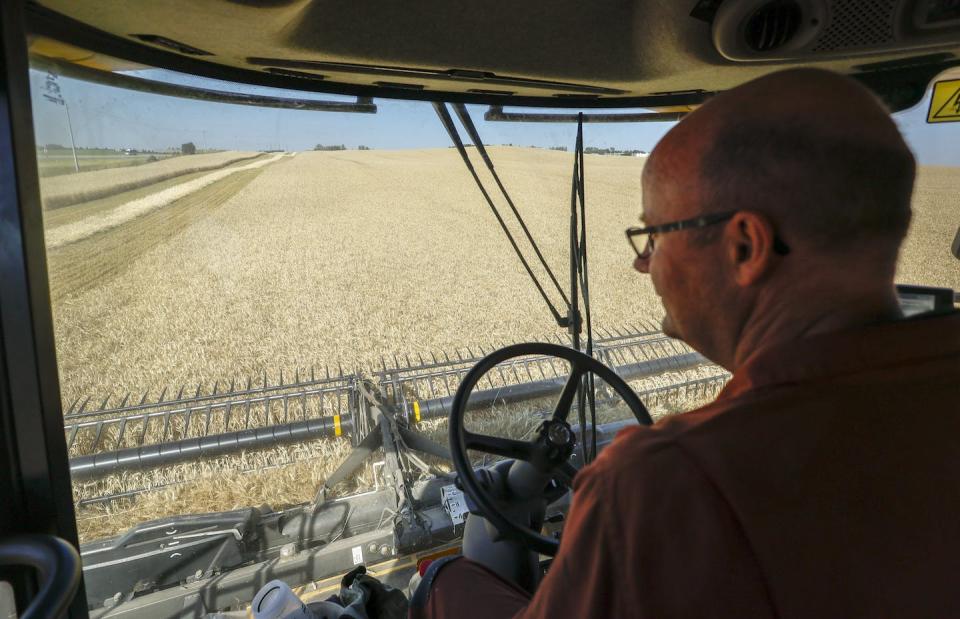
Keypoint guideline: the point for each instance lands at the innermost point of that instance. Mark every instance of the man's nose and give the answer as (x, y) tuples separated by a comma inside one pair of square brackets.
[(641, 264)]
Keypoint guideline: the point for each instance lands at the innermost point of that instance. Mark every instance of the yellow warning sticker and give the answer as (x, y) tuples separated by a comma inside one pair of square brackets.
[(336, 425), (945, 102), (416, 411)]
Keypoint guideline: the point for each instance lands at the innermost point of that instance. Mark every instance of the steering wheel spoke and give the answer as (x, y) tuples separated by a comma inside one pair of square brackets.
[(505, 447), (562, 410)]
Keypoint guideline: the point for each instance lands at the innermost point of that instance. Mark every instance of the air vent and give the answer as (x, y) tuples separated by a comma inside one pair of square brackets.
[(858, 23), (302, 75), (772, 25), (486, 91), (176, 46), (400, 85)]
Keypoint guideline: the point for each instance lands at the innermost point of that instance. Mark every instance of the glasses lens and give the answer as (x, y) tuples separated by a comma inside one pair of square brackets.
[(642, 244)]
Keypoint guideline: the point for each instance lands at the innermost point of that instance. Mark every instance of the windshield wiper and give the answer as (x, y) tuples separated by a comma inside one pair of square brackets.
[(447, 121)]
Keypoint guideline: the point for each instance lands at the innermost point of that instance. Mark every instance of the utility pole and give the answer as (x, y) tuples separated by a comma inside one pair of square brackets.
[(53, 95)]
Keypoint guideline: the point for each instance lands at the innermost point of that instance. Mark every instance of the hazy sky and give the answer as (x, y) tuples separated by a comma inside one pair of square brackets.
[(114, 118)]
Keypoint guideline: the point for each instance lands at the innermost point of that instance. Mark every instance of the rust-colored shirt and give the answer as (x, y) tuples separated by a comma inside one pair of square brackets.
[(824, 481)]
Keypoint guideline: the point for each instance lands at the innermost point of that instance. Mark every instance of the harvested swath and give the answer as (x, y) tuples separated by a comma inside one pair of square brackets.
[(75, 188), (76, 266), (95, 224)]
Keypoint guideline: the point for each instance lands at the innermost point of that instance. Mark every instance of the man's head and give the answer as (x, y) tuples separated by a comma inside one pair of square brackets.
[(803, 156)]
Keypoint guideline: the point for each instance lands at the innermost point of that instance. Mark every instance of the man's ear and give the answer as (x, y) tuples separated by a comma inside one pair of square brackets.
[(749, 240)]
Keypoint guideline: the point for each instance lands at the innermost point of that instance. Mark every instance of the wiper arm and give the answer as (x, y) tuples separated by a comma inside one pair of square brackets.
[(447, 120)]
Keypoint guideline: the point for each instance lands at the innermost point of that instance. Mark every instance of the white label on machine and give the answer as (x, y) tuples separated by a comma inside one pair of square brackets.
[(357, 555), (454, 503)]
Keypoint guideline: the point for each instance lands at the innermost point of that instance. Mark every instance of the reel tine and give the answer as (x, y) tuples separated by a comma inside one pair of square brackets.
[(103, 404), (123, 402)]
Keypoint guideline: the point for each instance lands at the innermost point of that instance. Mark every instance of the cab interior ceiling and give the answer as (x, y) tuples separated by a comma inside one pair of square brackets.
[(563, 53)]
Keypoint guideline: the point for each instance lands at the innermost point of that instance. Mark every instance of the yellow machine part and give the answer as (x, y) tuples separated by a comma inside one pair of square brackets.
[(49, 48)]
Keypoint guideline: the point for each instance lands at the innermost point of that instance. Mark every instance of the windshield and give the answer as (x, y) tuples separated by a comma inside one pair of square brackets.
[(221, 273)]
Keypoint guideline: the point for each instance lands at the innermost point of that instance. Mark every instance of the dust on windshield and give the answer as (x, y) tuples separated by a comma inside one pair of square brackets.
[(220, 274)]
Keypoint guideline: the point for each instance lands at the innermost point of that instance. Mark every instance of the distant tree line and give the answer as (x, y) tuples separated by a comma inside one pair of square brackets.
[(593, 150), (337, 147), (188, 148)]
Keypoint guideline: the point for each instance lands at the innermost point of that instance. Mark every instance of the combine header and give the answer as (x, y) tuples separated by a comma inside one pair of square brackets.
[(139, 433)]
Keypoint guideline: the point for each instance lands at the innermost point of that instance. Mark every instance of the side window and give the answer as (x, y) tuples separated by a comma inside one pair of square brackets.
[(932, 130)]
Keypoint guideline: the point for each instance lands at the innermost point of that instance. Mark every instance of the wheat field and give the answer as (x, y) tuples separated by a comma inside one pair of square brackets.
[(339, 258)]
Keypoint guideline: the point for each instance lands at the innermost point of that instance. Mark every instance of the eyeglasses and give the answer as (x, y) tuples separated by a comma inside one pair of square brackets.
[(643, 240)]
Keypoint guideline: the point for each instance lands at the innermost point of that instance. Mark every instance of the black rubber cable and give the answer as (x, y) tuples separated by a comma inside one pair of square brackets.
[(576, 327), (585, 284), (467, 123)]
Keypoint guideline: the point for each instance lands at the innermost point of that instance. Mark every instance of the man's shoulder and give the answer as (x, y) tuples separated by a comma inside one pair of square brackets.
[(638, 452), (662, 438)]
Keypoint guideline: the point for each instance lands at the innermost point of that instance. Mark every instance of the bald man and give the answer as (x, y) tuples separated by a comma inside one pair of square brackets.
[(824, 481)]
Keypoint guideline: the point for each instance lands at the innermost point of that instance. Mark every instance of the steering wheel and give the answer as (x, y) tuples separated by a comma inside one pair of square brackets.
[(59, 567), (548, 452)]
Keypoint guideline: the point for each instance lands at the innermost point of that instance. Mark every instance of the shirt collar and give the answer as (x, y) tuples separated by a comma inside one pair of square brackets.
[(845, 352)]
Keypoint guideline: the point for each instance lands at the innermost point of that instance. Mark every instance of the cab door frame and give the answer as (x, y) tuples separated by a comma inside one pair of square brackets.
[(34, 470)]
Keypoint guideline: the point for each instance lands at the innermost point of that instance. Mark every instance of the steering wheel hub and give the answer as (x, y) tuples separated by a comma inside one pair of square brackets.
[(559, 434)]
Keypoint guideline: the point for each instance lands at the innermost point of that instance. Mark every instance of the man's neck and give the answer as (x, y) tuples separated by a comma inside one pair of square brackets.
[(784, 319)]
